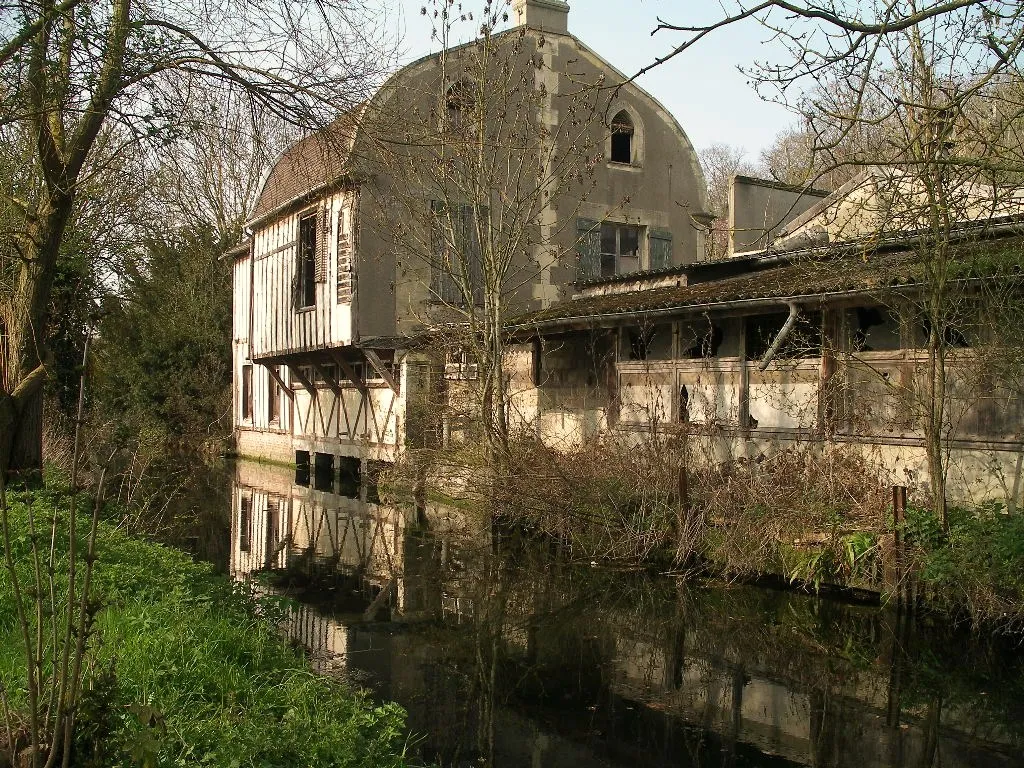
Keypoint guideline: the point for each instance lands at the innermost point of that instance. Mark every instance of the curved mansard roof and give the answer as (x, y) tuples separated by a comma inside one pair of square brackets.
[(321, 158)]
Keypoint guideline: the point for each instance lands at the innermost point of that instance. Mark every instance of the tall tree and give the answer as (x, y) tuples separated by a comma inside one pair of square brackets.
[(80, 70), (926, 89), (481, 185)]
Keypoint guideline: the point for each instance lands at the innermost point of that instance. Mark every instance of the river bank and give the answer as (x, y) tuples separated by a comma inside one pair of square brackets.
[(509, 650), (183, 667), (812, 516)]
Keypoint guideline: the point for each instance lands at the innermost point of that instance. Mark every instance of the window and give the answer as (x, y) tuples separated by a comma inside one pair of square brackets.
[(273, 395), (246, 392), (457, 265), (244, 524), (622, 138), (305, 271), (620, 249), (652, 342), (459, 106), (803, 339)]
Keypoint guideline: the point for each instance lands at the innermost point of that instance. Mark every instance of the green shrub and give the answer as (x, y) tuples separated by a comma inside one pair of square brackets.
[(978, 564), (186, 670)]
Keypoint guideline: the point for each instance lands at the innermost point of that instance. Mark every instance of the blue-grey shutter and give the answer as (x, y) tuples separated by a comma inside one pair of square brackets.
[(588, 246), (442, 282), (660, 242)]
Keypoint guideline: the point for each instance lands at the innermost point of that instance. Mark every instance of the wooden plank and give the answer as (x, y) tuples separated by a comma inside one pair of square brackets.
[(280, 382), (381, 369)]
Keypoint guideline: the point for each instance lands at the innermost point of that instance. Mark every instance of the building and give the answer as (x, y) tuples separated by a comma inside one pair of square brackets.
[(328, 303), (814, 333), (810, 330)]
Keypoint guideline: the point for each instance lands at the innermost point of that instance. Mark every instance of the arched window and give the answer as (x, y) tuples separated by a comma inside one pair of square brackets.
[(459, 103), (622, 138)]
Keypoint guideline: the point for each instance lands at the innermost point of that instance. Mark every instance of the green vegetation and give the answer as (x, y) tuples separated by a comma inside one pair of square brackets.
[(978, 565), (184, 667)]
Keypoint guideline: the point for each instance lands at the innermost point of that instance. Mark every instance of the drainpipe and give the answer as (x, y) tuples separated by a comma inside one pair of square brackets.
[(794, 312)]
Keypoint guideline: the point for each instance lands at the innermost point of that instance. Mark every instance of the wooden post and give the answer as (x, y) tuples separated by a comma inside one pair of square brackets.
[(899, 516), (744, 383)]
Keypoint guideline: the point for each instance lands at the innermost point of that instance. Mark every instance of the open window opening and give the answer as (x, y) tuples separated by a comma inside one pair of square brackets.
[(873, 329), (305, 272), (622, 138), (652, 342), (323, 472), (700, 340), (803, 340), (247, 392), (273, 395), (302, 468), (348, 476)]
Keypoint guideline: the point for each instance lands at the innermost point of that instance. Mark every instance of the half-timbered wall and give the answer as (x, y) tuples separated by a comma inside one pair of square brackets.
[(364, 422), (280, 325)]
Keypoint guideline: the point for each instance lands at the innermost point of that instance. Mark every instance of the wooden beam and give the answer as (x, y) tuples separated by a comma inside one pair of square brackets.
[(326, 376), (350, 372), (302, 379), (381, 369), (280, 382)]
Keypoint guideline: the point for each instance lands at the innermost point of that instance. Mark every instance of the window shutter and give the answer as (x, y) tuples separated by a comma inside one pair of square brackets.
[(588, 247), (442, 283), (344, 239), (660, 242), (323, 226)]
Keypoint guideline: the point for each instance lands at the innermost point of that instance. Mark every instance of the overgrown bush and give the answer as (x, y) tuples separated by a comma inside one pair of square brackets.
[(185, 669), (978, 565)]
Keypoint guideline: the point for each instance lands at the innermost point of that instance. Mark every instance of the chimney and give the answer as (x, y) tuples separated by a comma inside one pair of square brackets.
[(545, 15)]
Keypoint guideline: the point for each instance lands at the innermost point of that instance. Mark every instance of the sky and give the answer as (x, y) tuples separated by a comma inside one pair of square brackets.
[(702, 87)]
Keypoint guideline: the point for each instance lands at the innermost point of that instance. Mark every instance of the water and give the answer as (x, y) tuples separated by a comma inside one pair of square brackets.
[(504, 654)]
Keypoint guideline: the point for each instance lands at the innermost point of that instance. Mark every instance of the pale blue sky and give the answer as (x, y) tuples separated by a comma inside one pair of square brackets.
[(701, 87)]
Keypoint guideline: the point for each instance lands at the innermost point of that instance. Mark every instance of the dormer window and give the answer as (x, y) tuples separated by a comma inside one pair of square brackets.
[(622, 138)]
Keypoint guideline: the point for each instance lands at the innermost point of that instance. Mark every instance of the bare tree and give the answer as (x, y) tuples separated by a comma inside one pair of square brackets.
[(928, 92), (74, 70), (476, 190), (721, 162)]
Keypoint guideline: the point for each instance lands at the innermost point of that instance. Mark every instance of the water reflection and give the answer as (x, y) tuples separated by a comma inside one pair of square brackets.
[(504, 655)]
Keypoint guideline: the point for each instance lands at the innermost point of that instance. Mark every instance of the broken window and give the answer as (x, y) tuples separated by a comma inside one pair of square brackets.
[(620, 249), (246, 392), (273, 395), (622, 138), (653, 342), (803, 339), (700, 340), (873, 329), (457, 263), (305, 269)]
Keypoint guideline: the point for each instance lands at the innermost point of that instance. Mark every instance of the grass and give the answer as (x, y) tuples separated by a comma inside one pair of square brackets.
[(186, 669)]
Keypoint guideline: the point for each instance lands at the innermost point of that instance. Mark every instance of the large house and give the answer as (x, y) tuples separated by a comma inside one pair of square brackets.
[(809, 330), (328, 301)]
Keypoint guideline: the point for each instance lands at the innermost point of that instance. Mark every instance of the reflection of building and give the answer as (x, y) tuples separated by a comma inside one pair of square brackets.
[(585, 676)]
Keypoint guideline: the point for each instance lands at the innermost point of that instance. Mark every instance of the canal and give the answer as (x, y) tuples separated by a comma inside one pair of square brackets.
[(505, 653)]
